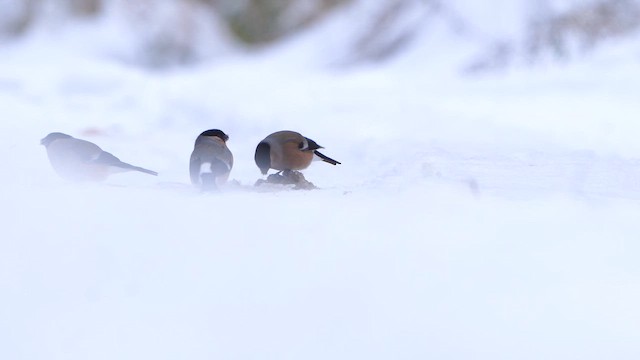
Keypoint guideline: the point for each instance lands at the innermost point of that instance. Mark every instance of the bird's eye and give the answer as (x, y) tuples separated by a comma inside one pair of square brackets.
[(300, 145)]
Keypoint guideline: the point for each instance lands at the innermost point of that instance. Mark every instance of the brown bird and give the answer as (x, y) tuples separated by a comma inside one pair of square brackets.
[(80, 160), (288, 150), (211, 160)]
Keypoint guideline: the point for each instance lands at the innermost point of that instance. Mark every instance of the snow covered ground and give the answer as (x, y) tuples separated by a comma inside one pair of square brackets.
[(486, 217)]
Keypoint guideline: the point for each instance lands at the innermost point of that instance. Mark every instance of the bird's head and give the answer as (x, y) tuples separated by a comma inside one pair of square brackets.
[(217, 133), (53, 137)]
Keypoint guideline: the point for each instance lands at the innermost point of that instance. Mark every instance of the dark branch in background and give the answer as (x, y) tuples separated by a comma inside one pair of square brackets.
[(256, 22), (252, 22), (563, 35), (83, 8), (587, 25), (387, 34), (23, 15)]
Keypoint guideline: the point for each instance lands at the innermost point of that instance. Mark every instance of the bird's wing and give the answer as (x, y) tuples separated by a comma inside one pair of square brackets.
[(79, 150), (194, 168)]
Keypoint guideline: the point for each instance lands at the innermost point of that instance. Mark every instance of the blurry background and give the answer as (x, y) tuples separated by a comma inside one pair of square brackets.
[(158, 33), (486, 206)]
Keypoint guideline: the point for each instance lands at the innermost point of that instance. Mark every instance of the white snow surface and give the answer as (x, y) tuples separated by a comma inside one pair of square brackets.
[(488, 217)]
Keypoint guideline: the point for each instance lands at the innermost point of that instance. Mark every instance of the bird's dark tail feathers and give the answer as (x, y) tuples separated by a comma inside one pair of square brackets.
[(137, 168), (325, 158), (208, 182), (106, 158), (146, 171)]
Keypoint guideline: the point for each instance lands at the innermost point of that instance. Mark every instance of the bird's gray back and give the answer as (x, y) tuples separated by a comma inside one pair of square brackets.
[(209, 150)]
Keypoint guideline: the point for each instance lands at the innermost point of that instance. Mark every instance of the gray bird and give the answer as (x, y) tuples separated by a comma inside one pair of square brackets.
[(288, 150), (211, 160), (80, 160)]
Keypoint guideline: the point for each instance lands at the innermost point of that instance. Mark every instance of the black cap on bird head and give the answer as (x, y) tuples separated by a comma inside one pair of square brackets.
[(263, 157), (216, 132), (52, 137)]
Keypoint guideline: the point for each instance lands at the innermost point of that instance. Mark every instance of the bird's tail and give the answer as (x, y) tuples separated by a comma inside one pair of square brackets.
[(325, 158), (108, 159), (143, 170), (213, 174), (137, 168), (208, 182)]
